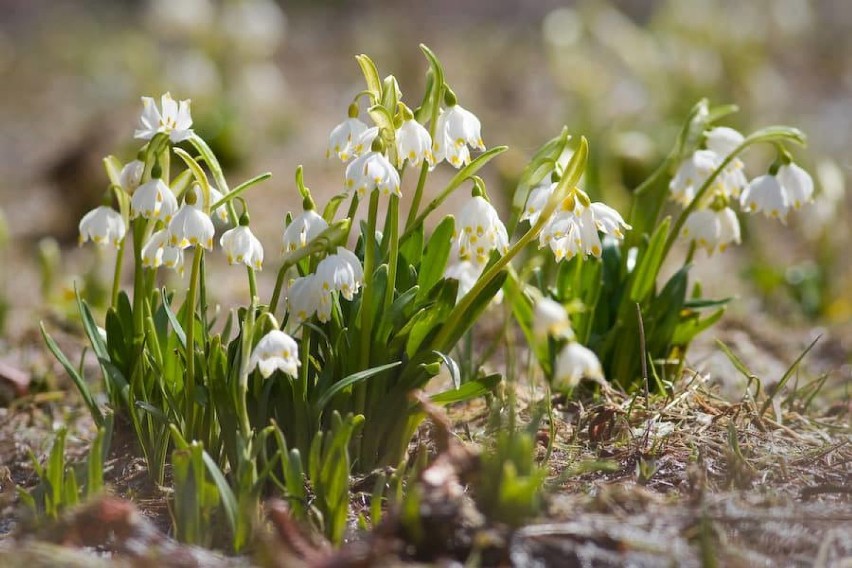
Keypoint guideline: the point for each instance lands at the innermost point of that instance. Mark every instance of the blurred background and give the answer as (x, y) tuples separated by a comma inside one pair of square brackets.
[(268, 80)]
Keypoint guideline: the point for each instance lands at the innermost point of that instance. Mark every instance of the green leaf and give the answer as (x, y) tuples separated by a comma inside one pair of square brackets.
[(199, 174), (689, 329), (371, 76), (435, 256), (79, 381), (469, 390), (229, 501), (350, 380), (240, 189), (173, 319), (650, 259), (787, 374)]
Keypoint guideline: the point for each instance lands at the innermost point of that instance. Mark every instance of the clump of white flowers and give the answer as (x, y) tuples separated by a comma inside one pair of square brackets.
[(712, 179)]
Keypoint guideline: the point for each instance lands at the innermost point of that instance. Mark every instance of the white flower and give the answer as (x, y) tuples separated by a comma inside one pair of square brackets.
[(372, 171), (455, 130), (220, 212), (536, 201), (103, 225), (340, 272), (467, 273), (691, 175), (695, 170), (131, 175), (157, 252), (766, 194), (306, 297), (275, 350), (153, 200), (550, 319), (241, 246), (191, 227), (572, 231), (303, 229), (608, 221), (574, 363), (479, 231), (712, 230), (413, 143), (344, 137), (723, 140), (175, 119), (797, 183)]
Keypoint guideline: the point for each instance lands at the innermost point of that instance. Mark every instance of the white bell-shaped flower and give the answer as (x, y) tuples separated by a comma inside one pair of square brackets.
[(466, 272), (536, 201), (340, 272), (174, 119), (103, 225), (372, 171), (414, 144), (455, 130), (153, 200), (191, 227), (712, 230), (303, 229), (344, 137), (306, 297), (275, 351), (691, 175), (550, 319), (608, 221), (241, 246), (766, 194), (574, 363), (131, 175), (479, 231), (157, 252), (723, 140), (221, 212), (797, 183), (562, 235)]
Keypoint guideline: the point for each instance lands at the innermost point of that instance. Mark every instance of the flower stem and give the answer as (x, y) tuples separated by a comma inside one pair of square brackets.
[(252, 279), (189, 329), (116, 276), (369, 268), (393, 251), (418, 196)]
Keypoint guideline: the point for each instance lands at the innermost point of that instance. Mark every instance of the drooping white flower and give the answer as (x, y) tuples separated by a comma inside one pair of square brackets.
[(723, 140), (340, 272), (103, 225), (153, 200), (275, 351), (364, 142), (712, 230), (414, 144), (797, 183), (241, 246), (174, 119), (574, 363), (691, 175), (157, 252), (131, 175), (191, 227), (766, 194), (550, 319), (574, 229), (305, 297), (455, 130), (479, 231), (303, 229), (344, 137), (220, 212), (607, 220), (372, 171), (467, 273), (536, 201)]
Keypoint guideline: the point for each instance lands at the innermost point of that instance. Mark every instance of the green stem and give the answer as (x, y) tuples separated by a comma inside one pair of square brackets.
[(252, 279), (116, 277), (138, 281), (418, 196), (189, 329), (393, 251), (369, 268)]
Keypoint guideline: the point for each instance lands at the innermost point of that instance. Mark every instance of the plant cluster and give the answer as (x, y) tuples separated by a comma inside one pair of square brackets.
[(299, 390)]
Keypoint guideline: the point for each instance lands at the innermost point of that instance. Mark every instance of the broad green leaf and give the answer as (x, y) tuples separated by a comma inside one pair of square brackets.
[(689, 329), (435, 256), (470, 390), (650, 259), (228, 499), (350, 380)]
